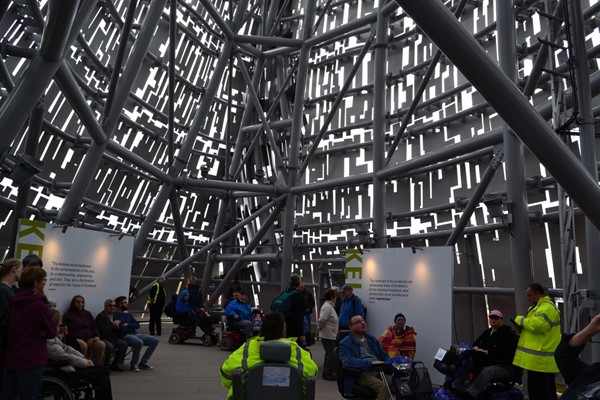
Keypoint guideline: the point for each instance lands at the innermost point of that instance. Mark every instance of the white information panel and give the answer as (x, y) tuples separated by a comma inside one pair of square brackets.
[(417, 283), (96, 265)]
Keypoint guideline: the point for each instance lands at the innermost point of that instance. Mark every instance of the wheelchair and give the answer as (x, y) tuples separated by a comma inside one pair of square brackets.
[(61, 385), (410, 378), (232, 338), (184, 330), (454, 365), (273, 378)]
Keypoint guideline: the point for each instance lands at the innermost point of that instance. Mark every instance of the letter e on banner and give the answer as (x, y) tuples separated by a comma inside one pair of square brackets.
[(354, 268)]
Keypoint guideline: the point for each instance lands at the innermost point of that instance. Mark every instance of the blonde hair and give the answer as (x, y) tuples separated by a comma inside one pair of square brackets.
[(7, 265)]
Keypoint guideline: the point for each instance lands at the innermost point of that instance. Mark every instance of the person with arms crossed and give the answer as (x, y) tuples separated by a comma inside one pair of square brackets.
[(128, 332)]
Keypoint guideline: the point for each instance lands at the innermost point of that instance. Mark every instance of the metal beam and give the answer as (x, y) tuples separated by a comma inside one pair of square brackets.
[(462, 49)]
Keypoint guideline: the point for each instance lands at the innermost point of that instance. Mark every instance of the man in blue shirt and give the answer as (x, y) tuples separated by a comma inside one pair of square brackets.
[(351, 306), (239, 312), (362, 351), (127, 330)]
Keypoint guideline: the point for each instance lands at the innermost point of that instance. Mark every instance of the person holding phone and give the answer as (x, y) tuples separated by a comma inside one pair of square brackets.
[(539, 334)]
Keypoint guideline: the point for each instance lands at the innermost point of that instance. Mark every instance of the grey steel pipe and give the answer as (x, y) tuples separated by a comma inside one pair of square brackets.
[(462, 49)]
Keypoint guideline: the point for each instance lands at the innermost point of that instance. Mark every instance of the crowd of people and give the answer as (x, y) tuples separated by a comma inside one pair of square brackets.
[(33, 333)]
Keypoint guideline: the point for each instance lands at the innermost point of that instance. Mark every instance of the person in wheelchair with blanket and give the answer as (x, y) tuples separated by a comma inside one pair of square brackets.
[(78, 368)]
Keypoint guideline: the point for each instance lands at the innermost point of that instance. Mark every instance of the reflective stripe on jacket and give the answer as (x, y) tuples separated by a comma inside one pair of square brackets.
[(248, 355), (539, 337), (155, 291)]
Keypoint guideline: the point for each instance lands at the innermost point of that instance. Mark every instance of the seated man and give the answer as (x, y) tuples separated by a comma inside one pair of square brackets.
[(363, 352), (116, 349), (273, 328), (127, 332), (493, 352), (583, 379), (239, 312)]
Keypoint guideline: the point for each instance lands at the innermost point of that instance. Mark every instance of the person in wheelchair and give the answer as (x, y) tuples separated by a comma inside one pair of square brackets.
[(186, 314), (79, 368), (362, 351), (493, 352), (239, 314), (244, 358)]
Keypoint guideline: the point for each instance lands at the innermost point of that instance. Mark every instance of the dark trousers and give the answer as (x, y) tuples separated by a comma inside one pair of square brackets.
[(156, 311), (541, 386), (328, 346)]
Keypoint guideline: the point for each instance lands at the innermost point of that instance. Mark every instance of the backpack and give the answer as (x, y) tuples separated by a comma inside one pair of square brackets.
[(283, 302), (170, 309)]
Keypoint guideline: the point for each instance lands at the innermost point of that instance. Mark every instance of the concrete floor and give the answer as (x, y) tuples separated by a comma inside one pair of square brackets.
[(190, 370)]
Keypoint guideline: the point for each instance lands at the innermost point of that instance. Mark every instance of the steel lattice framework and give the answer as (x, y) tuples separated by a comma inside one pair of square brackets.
[(257, 138)]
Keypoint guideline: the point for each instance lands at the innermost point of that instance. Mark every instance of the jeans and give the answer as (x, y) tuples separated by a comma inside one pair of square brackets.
[(22, 384), (136, 342)]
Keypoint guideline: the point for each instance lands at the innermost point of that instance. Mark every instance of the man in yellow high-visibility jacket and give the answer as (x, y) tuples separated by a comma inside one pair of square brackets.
[(539, 335), (273, 328)]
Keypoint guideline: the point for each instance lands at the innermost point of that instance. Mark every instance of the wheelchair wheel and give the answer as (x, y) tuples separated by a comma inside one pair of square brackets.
[(55, 389), (206, 340), (214, 339), (174, 338), (226, 344)]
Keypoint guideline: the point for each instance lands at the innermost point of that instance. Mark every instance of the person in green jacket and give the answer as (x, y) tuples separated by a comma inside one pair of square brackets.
[(273, 328), (539, 335)]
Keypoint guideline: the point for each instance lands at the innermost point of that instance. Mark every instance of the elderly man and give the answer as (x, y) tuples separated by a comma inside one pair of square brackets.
[(128, 332), (539, 332), (108, 326), (363, 352), (351, 306)]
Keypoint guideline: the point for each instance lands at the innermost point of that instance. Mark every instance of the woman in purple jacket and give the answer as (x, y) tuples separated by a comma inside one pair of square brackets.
[(83, 327), (29, 326)]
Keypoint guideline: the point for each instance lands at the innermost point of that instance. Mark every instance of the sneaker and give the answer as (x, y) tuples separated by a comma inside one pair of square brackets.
[(145, 366), (135, 369)]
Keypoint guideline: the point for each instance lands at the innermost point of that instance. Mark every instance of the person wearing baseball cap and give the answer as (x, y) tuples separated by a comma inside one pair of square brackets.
[(493, 352)]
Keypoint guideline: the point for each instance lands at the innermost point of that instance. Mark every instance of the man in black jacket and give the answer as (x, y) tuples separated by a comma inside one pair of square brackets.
[(583, 379), (156, 303), (294, 320), (493, 352), (116, 348)]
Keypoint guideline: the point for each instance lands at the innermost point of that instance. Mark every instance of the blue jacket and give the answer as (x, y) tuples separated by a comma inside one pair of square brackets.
[(182, 306), (350, 356), (350, 308), (242, 310), (132, 324)]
